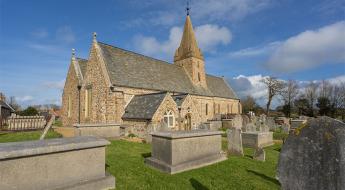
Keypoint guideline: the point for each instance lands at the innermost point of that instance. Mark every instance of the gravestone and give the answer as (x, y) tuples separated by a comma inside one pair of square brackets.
[(262, 118), (286, 127), (235, 141), (253, 119), (245, 120), (313, 155), (264, 128), (270, 122), (259, 154), (250, 127)]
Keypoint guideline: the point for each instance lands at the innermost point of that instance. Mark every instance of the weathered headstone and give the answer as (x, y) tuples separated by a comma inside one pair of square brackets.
[(250, 127), (235, 141), (237, 121), (313, 156), (286, 127), (245, 120), (259, 154), (264, 128), (263, 118), (270, 122), (253, 119)]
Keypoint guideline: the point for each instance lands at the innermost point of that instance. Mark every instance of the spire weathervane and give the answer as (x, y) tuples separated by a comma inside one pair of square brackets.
[(188, 7)]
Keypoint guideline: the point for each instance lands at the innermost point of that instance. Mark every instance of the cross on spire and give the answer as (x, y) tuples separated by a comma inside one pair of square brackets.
[(188, 8)]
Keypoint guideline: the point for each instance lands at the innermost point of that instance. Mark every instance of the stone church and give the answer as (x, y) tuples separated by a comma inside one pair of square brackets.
[(115, 85)]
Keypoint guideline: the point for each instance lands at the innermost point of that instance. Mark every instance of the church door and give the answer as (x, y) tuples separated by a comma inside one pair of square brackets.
[(188, 122)]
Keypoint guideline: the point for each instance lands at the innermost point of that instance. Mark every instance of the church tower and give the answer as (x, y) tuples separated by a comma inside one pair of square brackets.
[(189, 56)]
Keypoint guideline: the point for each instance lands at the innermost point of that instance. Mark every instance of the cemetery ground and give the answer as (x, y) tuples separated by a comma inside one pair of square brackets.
[(125, 161)]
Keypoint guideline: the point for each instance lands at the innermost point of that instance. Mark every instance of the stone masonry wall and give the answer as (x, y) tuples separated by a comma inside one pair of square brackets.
[(103, 101), (70, 91)]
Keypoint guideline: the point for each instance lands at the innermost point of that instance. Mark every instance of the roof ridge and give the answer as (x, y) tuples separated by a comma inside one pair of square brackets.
[(213, 76), (130, 51), (162, 92)]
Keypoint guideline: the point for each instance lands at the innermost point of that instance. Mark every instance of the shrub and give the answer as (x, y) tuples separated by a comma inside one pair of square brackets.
[(131, 135)]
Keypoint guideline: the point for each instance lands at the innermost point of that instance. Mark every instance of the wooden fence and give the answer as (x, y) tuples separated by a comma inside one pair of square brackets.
[(21, 123)]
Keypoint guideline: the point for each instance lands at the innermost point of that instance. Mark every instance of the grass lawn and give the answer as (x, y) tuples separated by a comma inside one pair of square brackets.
[(25, 136), (125, 160)]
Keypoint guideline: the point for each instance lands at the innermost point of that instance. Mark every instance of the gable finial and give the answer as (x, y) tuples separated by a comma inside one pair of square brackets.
[(73, 53), (188, 8), (94, 36)]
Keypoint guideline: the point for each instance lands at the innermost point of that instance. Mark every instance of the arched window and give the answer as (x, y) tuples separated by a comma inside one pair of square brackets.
[(169, 118), (199, 76)]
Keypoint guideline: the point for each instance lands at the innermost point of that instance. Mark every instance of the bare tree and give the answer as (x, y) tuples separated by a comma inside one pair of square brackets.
[(310, 93), (13, 103), (341, 103), (248, 104), (274, 87), (289, 94), (325, 89)]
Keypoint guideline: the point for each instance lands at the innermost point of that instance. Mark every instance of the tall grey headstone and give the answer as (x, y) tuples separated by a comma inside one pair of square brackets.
[(237, 121), (313, 157), (235, 141)]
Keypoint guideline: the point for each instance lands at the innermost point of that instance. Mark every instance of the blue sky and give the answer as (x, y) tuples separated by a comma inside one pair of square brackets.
[(243, 40)]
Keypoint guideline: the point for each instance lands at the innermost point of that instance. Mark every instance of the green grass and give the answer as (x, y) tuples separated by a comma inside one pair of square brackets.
[(25, 136), (125, 160), (58, 123)]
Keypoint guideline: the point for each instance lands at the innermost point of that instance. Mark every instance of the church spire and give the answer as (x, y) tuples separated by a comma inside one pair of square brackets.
[(188, 46)]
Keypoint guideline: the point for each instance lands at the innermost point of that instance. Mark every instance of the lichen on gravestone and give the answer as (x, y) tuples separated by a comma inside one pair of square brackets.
[(313, 157)]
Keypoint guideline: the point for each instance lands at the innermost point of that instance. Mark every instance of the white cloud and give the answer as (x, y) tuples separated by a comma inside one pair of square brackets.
[(208, 36), (310, 49), (228, 9), (206, 10), (255, 51), (249, 85), (55, 84), (24, 98), (65, 34), (337, 80)]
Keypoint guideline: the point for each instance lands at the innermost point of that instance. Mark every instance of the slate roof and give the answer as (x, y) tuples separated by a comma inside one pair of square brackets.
[(143, 106), (82, 65), (129, 69), (5, 105)]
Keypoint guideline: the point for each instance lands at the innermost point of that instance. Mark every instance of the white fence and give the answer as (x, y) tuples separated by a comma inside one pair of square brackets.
[(19, 123)]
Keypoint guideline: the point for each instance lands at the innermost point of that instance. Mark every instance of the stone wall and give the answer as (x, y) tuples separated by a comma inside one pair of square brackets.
[(70, 97), (137, 127), (103, 100)]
